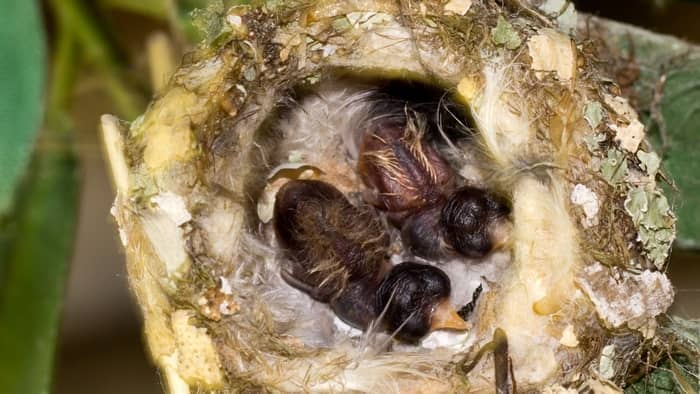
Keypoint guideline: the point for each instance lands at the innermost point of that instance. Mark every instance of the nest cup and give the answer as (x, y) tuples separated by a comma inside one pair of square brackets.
[(574, 299)]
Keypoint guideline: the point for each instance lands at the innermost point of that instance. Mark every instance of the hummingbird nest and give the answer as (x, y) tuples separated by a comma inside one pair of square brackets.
[(516, 102)]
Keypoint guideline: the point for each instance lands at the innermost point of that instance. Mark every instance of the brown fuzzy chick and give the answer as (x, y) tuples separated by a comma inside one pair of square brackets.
[(338, 255), (471, 223), (404, 172), (409, 180)]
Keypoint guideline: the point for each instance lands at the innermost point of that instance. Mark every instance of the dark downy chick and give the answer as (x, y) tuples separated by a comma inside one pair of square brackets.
[(413, 184), (475, 222), (338, 255), (471, 223), (404, 172)]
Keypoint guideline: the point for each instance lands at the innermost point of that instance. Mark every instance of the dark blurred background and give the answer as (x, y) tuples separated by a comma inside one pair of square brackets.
[(100, 339)]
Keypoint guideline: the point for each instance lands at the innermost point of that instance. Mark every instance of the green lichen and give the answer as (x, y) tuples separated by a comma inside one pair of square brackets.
[(273, 5), (593, 112), (593, 142), (650, 162), (249, 74), (657, 244), (295, 156), (614, 168), (504, 34), (341, 24), (651, 213), (637, 204), (210, 21), (659, 212), (563, 12)]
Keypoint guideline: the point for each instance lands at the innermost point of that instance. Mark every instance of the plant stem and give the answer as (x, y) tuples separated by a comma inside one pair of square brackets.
[(75, 20), (61, 82)]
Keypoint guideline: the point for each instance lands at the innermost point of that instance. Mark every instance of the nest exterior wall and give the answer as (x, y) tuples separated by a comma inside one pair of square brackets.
[(188, 173)]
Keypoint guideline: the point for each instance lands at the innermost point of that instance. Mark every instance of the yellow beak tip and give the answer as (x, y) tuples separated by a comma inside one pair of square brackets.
[(446, 318)]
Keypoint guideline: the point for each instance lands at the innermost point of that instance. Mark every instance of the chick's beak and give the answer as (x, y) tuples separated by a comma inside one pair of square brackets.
[(445, 317)]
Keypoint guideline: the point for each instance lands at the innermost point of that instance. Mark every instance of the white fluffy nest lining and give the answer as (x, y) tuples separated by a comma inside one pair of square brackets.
[(279, 93)]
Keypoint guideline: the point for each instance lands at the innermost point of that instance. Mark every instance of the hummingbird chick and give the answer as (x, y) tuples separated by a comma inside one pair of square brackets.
[(475, 222), (338, 255), (410, 181), (470, 223), (403, 171)]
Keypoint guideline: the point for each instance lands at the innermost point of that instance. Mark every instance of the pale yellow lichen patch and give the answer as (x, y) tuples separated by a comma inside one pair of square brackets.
[(329, 9), (160, 337), (168, 144), (458, 7), (175, 383), (630, 136), (197, 359), (167, 129), (620, 106), (629, 130), (568, 337), (552, 51), (468, 88)]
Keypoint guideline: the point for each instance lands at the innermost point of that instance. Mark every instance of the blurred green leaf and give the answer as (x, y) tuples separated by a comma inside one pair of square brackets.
[(36, 246), (159, 9), (663, 379), (75, 22), (668, 93), (678, 372), (21, 77), (680, 106)]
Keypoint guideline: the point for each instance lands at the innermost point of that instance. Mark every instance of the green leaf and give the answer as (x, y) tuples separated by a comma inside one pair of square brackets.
[(21, 77), (678, 372), (659, 381), (35, 246), (680, 107)]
